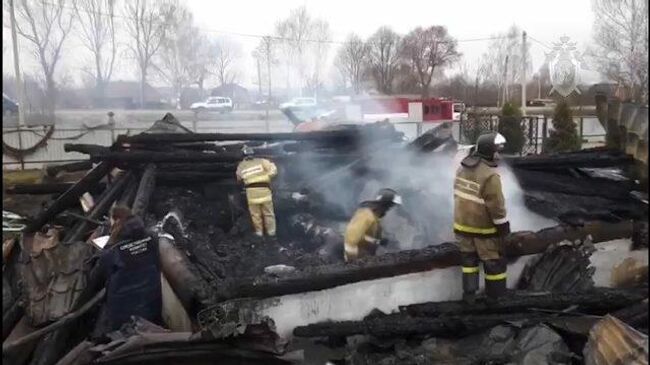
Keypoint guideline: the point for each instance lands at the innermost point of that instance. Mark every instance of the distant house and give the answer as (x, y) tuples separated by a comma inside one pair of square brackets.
[(126, 95), (238, 94)]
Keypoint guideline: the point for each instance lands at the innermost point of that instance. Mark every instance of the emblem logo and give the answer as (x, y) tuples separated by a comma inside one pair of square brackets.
[(564, 64)]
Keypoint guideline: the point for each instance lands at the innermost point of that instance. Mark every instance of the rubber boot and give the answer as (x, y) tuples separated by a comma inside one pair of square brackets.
[(495, 279), (470, 262)]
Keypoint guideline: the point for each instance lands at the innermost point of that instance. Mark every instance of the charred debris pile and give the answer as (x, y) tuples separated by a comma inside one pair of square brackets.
[(183, 184)]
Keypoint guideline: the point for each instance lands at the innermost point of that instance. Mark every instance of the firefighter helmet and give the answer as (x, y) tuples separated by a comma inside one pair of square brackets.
[(488, 144), (389, 196)]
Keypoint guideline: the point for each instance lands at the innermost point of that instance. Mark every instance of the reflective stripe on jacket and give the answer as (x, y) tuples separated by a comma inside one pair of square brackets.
[(478, 201), (256, 171), (362, 234)]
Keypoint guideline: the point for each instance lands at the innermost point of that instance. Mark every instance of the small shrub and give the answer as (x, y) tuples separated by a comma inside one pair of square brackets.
[(564, 136), (510, 127)]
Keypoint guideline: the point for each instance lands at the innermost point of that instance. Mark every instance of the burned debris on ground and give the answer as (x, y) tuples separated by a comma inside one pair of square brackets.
[(183, 186)]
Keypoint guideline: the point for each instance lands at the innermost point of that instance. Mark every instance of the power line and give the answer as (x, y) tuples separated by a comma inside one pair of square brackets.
[(540, 42), (250, 35)]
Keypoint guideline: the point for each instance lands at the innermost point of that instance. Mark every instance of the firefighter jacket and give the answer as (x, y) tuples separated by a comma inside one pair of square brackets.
[(130, 270), (479, 206), (256, 173), (362, 234)]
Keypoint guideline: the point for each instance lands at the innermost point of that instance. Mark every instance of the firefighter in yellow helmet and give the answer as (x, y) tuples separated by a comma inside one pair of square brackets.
[(480, 220), (363, 232), (256, 173)]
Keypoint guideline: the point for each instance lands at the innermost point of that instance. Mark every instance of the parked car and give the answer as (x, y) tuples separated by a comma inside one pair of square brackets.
[(9, 107), (298, 103), (213, 104)]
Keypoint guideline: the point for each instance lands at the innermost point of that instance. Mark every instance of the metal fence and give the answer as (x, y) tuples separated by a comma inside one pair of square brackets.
[(536, 129)]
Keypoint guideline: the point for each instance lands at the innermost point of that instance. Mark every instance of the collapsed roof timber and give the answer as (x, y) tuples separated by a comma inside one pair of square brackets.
[(220, 302)]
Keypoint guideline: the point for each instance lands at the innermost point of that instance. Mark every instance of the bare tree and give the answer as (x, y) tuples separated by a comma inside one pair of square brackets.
[(266, 52), (621, 40), (320, 38), (178, 50), (384, 58), (145, 25), (351, 61), (227, 54), (97, 34), (505, 49), (46, 26), (427, 50), (294, 32), (203, 63)]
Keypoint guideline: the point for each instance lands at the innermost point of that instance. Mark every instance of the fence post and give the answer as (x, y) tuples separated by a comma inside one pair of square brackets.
[(544, 130), (581, 128), (418, 128), (20, 147)]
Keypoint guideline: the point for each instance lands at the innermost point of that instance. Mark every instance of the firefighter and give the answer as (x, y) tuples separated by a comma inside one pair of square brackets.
[(256, 173), (480, 220), (363, 232), (129, 268)]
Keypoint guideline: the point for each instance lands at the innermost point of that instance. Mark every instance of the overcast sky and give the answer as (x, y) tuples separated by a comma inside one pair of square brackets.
[(544, 21)]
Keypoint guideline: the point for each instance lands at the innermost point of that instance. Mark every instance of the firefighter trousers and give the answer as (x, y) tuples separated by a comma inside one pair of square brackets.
[(262, 216), (488, 250)]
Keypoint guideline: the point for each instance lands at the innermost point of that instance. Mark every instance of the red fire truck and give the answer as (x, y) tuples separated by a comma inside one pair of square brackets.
[(397, 107)]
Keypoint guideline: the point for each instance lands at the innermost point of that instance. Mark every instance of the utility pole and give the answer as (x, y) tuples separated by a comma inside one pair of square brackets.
[(523, 73), (19, 82), (269, 58), (505, 82)]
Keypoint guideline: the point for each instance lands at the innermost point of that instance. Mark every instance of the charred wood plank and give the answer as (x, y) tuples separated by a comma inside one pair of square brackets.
[(594, 301), (11, 318), (582, 159), (145, 189), (68, 167), (69, 197), (411, 261), (553, 182), (56, 325)]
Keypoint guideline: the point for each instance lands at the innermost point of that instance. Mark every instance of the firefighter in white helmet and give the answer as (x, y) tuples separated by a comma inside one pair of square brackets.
[(480, 220), (256, 173), (363, 232)]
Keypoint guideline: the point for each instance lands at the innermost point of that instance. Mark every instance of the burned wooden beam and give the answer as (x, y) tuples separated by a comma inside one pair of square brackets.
[(45, 188), (140, 156), (581, 159), (88, 149), (411, 261), (99, 210), (186, 285), (145, 189), (70, 196), (337, 135), (595, 300), (402, 325), (68, 167), (454, 319)]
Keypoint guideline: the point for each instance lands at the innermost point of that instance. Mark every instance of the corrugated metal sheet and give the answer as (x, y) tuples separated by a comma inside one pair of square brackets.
[(612, 342)]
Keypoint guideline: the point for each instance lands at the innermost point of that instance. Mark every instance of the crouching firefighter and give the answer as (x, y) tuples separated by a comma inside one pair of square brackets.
[(256, 173), (129, 267), (363, 232), (480, 221)]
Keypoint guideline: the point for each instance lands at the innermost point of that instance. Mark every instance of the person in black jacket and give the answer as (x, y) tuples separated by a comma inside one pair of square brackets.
[(129, 267)]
